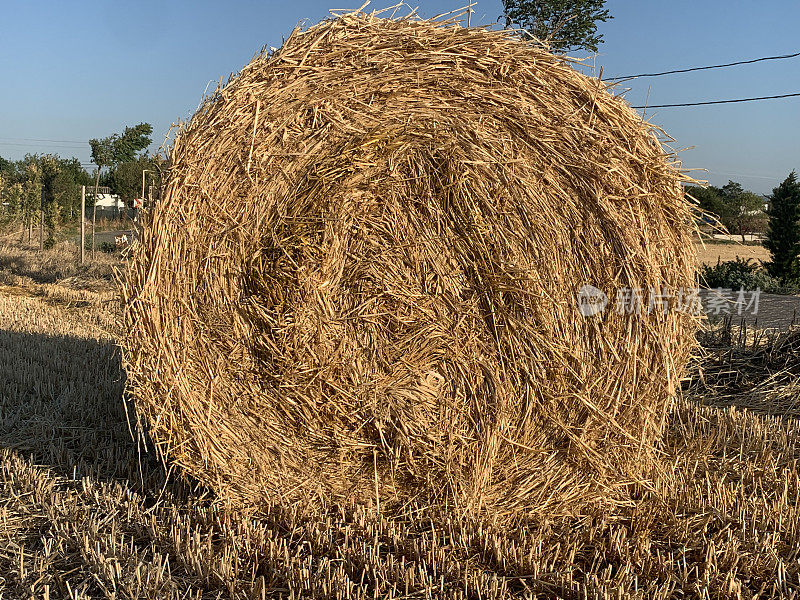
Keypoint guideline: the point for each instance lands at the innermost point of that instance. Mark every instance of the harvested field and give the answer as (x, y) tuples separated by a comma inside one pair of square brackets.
[(711, 253), (59, 263), (84, 515), (561, 457)]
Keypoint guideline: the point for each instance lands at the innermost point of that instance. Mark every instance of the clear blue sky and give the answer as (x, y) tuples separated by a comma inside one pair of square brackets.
[(152, 61)]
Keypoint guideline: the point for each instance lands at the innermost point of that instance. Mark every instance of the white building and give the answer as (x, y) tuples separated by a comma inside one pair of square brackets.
[(108, 205)]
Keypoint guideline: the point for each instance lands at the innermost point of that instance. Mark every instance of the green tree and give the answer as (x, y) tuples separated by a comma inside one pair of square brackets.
[(6, 211), (60, 178), (744, 210), (783, 233), (50, 169), (116, 148), (102, 156), (67, 187), (564, 24), (709, 200), (747, 214), (126, 178), (31, 196), (14, 193), (740, 211), (67, 195), (7, 171), (9, 174), (731, 190), (132, 141)]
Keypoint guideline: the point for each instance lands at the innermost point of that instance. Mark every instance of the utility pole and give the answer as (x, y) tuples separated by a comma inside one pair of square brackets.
[(83, 223), (143, 172)]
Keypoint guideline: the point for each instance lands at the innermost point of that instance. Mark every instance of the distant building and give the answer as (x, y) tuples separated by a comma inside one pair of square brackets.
[(109, 206)]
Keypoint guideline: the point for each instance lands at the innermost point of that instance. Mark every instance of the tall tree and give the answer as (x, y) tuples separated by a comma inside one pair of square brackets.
[(126, 178), (66, 193), (743, 210), (115, 149), (7, 170), (564, 24), (783, 234), (731, 190), (67, 187), (60, 180), (738, 210), (102, 156), (132, 141), (50, 171), (747, 214), (31, 196), (709, 200), (14, 195)]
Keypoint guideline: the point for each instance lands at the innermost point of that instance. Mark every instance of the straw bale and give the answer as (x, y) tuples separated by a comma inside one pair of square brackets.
[(361, 281)]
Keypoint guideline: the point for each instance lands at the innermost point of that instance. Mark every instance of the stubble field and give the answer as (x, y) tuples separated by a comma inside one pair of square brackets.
[(710, 253), (86, 511)]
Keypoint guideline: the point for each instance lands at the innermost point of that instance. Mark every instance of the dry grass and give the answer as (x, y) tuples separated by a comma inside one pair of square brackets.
[(84, 515), (361, 281), (58, 263), (711, 253)]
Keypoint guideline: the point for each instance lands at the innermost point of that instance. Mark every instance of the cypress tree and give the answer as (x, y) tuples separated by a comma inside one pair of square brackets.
[(783, 235)]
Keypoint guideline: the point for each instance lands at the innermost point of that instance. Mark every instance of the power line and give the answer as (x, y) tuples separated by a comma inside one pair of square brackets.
[(19, 139), (34, 145), (689, 70), (719, 101)]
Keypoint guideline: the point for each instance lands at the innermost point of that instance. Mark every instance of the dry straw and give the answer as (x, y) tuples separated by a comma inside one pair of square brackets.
[(361, 282)]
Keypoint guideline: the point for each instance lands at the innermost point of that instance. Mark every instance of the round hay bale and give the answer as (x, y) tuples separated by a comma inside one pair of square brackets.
[(362, 280)]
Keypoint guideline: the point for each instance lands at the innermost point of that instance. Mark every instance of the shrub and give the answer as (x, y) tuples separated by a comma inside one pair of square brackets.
[(743, 273)]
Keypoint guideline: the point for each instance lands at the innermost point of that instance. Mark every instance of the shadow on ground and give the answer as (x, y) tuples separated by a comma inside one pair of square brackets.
[(62, 404)]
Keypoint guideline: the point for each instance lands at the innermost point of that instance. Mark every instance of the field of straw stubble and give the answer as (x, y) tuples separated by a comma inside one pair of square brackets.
[(87, 512)]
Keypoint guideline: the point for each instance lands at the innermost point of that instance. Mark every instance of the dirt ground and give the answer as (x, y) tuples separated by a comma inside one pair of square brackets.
[(710, 253)]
